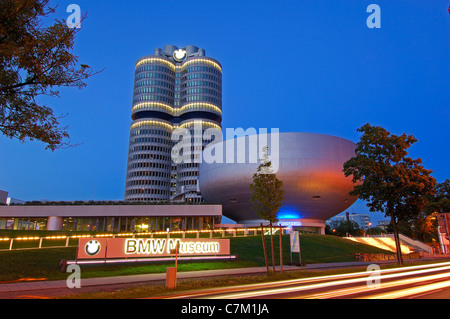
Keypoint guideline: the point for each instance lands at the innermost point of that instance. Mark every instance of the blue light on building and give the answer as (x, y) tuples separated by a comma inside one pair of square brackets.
[(287, 212)]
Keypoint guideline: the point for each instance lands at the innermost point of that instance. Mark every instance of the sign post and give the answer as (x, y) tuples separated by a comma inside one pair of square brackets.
[(295, 245), (171, 278), (171, 273)]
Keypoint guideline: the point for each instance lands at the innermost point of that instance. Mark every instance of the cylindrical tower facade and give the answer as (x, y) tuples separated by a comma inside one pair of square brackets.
[(149, 169), (200, 109), (174, 88)]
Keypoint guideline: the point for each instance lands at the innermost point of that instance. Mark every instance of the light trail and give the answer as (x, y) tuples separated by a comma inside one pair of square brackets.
[(366, 288), (412, 291), (295, 289), (303, 285)]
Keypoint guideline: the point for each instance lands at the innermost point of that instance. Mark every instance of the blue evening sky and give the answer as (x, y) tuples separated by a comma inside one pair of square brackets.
[(300, 66)]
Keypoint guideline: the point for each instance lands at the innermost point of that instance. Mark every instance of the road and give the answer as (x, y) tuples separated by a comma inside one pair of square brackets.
[(430, 281), (413, 282)]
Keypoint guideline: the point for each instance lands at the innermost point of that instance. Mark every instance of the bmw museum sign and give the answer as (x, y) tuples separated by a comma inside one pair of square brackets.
[(117, 248)]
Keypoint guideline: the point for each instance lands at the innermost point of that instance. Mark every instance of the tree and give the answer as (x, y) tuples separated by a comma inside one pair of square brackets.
[(422, 227), (345, 228), (267, 194), (440, 202), (35, 60), (387, 179)]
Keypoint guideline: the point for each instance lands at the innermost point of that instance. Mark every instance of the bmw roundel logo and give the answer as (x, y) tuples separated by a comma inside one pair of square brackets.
[(92, 247), (179, 55)]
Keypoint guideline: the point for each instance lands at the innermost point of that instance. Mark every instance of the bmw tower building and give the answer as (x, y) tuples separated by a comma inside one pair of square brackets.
[(175, 90)]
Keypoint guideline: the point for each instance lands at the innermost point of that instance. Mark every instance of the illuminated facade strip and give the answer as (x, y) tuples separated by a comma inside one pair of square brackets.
[(193, 106), (182, 67), (153, 106), (202, 61), (174, 111), (153, 60), (165, 125), (203, 123)]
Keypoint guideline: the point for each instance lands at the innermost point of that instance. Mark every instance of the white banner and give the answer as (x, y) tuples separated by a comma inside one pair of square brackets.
[(295, 242)]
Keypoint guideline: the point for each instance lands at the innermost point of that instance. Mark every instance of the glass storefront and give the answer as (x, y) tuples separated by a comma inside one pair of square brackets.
[(307, 230), (113, 224), (23, 223)]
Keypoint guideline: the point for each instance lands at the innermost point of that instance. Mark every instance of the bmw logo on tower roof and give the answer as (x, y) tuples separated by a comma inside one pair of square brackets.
[(179, 55)]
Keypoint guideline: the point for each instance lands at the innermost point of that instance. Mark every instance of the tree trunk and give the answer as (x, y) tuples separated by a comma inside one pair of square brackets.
[(397, 241), (281, 249), (265, 249), (271, 243)]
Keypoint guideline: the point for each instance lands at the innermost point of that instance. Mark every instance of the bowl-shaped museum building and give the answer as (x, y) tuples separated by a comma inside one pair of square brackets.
[(309, 165)]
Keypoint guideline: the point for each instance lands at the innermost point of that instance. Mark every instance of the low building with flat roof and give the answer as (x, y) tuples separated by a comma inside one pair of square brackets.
[(111, 218)]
